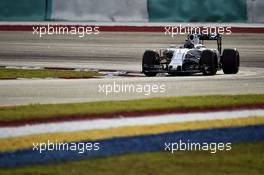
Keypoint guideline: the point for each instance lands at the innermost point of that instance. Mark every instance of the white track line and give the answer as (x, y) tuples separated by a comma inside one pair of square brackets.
[(140, 24), (70, 126)]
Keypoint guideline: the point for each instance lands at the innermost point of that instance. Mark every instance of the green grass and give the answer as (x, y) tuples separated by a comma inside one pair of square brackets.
[(166, 103), (243, 159), (44, 73)]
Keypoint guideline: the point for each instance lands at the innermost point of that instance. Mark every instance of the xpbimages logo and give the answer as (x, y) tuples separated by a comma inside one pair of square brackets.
[(185, 30), (145, 89), (80, 31), (79, 147), (195, 146)]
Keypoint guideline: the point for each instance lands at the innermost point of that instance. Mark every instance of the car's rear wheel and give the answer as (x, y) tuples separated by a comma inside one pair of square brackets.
[(209, 62), (149, 60), (230, 61)]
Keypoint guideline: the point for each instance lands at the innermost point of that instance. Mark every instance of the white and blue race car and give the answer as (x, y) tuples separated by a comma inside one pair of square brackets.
[(192, 57)]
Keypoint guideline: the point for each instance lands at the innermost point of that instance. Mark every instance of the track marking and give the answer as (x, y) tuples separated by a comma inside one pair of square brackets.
[(72, 126), (11, 144)]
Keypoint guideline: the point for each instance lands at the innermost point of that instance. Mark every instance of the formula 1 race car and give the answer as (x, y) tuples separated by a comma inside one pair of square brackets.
[(192, 57)]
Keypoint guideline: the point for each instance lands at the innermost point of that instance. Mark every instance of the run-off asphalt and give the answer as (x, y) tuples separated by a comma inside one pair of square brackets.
[(117, 51)]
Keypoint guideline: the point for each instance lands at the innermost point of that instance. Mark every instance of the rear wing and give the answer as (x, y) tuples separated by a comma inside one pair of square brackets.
[(217, 37)]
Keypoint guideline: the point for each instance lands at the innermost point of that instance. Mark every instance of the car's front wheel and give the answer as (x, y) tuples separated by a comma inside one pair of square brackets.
[(149, 60), (209, 62)]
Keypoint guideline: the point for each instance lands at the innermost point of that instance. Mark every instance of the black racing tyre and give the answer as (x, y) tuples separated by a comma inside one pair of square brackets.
[(149, 59), (209, 62), (230, 61)]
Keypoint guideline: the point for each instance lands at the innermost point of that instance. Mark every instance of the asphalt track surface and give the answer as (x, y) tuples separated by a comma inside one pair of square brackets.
[(117, 51)]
